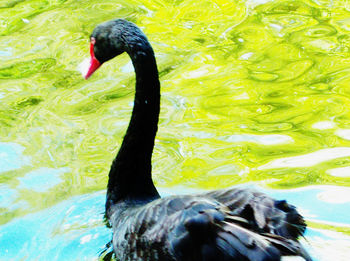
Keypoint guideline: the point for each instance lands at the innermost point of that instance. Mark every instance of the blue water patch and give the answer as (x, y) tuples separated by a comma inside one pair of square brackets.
[(11, 156), (42, 179), (7, 196), (71, 230), (9, 199)]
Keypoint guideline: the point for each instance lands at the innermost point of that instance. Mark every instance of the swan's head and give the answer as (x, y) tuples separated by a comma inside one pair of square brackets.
[(107, 41)]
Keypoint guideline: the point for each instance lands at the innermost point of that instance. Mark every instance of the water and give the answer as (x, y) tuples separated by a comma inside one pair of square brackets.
[(253, 92)]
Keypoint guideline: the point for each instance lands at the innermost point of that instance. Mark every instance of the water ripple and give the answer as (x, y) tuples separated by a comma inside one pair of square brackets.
[(309, 159)]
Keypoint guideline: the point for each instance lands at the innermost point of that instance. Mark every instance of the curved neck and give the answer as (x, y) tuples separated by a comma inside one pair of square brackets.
[(130, 177)]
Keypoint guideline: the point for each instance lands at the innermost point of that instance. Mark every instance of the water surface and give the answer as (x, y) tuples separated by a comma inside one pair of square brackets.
[(253, 92)]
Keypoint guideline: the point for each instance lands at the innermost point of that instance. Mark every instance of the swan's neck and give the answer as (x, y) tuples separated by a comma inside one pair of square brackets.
[(130, 177)]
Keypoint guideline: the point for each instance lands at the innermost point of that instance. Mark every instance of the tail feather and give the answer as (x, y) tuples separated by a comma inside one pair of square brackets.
[(288, 246), (294, 224)]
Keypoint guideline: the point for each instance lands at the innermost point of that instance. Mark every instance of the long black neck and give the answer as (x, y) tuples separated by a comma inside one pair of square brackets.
[(130, 177)]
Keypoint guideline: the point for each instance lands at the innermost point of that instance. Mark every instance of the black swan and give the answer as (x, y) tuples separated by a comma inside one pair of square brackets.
[(231, 224)]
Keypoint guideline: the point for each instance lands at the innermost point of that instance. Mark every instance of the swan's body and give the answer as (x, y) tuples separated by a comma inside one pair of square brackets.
[(233, 224)]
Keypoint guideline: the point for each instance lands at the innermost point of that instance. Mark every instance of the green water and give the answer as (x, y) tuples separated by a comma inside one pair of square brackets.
[(252, 92)]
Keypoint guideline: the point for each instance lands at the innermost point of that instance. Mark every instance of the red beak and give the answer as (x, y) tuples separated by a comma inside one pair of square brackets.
[(94, 63)]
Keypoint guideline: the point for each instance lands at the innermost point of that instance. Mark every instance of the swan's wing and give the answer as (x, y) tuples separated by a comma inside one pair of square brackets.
[(208, 231), (188, 228), (262, 212)]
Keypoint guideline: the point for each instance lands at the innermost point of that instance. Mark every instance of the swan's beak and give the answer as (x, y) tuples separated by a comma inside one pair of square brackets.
[(94, 63)]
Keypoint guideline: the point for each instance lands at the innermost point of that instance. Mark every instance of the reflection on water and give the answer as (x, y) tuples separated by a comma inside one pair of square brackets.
[(310, 159), (252, 92)]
